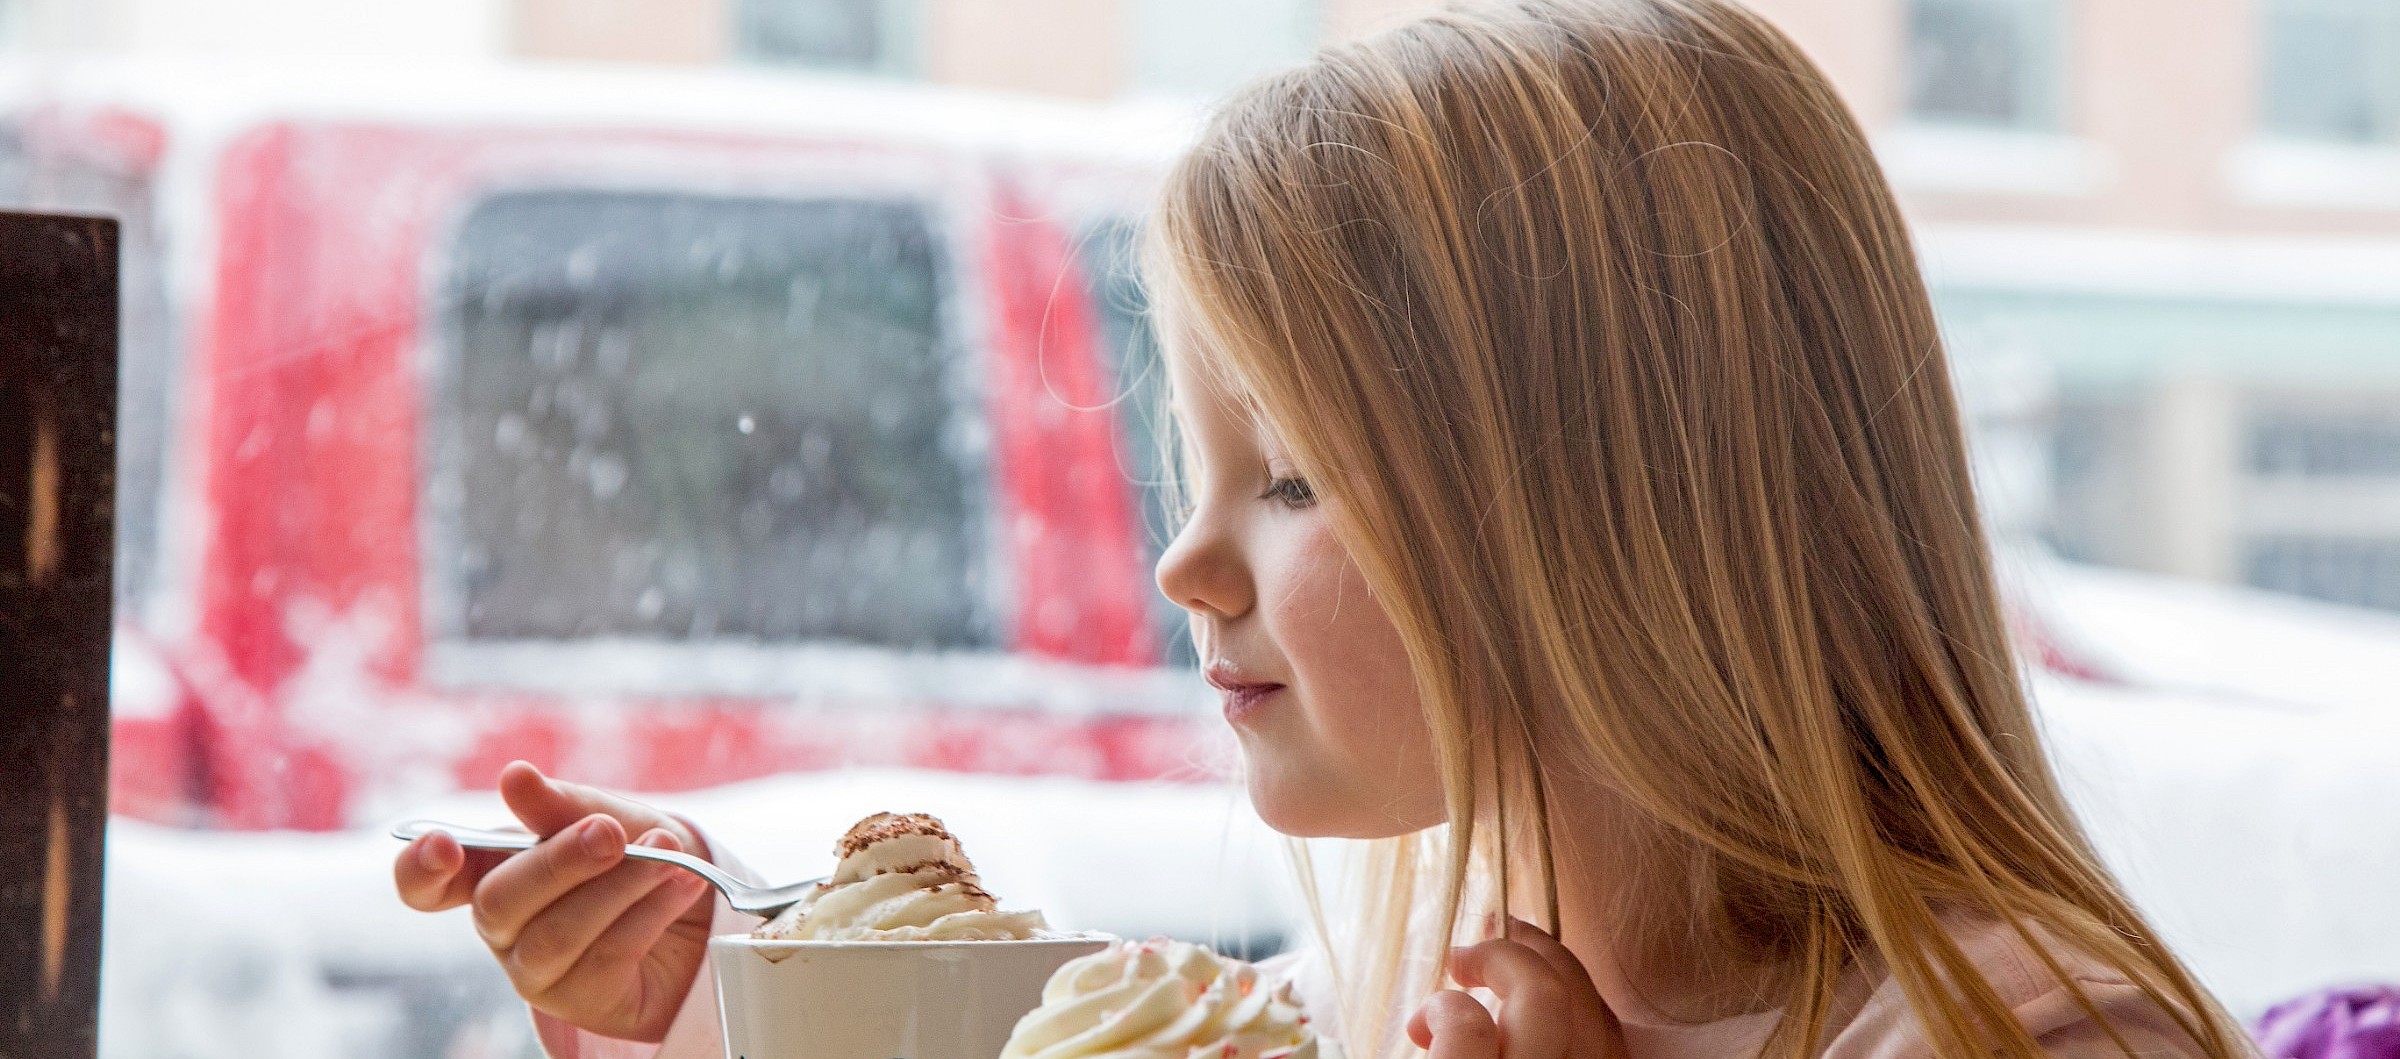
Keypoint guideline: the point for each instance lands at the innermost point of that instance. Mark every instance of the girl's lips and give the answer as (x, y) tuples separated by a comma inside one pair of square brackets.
[(1242, 697), (1243, 700)]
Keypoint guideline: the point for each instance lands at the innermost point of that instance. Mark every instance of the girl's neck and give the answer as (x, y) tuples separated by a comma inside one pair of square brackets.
[(1628, 910)]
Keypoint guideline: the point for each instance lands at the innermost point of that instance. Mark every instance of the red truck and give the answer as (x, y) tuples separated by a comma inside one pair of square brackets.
[(666, 429)]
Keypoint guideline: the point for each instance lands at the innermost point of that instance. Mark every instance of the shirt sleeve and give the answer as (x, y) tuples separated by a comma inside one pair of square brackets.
[(1886, 1026), (2066, 1031), (697, 1032)]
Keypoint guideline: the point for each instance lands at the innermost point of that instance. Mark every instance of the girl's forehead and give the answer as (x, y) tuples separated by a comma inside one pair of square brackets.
[(1218, 399), (1202, 379), (1198, 378)]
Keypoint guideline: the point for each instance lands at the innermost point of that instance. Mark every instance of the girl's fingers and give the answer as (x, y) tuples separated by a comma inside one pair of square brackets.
[(638, 929), (522, 886), (566, 932), (433, 873), (1550, 949), (1594, 1022), (1452, 1025), (548, 806), (1591, 1027), (1537, 1015), (425, 872)]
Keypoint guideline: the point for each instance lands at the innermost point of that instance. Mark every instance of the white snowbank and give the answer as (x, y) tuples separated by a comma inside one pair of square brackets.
[(2204, 640), (2263, 841)]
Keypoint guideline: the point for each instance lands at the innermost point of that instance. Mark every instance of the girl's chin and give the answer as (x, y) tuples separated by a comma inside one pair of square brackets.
[(1301, 803)]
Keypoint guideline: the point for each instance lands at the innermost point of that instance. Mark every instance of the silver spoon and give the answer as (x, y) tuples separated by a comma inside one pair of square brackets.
[(757, 900)]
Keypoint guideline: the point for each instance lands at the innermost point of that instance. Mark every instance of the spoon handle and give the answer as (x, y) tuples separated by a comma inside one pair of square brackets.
[(473, 837), (481, 838)]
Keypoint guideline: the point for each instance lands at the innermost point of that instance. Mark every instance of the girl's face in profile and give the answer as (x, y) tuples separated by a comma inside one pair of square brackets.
[(1313, 676)]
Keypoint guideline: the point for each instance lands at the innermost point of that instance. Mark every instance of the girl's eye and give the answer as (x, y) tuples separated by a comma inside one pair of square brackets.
[(1292, 492)]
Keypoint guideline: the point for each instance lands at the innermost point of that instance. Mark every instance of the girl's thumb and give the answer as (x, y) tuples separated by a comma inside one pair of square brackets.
[(544, 805)]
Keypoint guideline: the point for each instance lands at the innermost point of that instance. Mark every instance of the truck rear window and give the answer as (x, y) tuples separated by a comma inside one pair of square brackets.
[(680, 417)]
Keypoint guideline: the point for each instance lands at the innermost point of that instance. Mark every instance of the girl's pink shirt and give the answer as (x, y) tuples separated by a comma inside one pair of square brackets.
[(696, 1032), (1873, 1020)]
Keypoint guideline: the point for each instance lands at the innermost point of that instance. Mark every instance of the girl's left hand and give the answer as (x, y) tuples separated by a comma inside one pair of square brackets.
[(1548, 1008)]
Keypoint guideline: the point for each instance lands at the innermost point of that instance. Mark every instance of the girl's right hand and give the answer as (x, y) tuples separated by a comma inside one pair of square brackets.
[(1549, 1008), (605, 945)]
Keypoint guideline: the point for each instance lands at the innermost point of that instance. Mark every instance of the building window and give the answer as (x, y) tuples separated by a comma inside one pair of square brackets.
[(2360, 573), (1986, 62), (2332, 70), (867, 36), (683, 418), (2306, 443), (2325, 483)]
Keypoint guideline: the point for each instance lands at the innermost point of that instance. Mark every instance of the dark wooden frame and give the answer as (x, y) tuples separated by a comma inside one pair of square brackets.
[(58, 409)]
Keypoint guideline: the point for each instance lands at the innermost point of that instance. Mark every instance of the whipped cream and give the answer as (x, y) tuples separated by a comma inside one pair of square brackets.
[(1162, 999), (901, 877)]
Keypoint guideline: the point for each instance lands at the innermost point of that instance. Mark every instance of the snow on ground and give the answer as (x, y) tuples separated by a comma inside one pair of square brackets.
[(2174, 634), (232, 944), (2263, 840)]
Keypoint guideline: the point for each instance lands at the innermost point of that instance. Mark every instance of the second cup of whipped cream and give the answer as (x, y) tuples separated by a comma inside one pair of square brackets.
[(1140, 1000), (901, 954)]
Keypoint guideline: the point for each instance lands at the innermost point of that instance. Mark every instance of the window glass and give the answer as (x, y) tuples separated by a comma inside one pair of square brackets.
[(1132, 352), (2332, 69), (2364, 444), (677, 417), (1985, 62), (865, 35), (2343, 459)]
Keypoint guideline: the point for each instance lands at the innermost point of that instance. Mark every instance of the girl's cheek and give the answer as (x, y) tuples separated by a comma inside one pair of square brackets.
[(1360, 695)]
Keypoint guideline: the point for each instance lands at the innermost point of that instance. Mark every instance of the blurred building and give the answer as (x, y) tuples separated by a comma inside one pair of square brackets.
[(2165, 237), (2165, 234)]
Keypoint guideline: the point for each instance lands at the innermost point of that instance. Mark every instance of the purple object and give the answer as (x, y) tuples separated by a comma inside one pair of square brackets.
[(2360, 1022)]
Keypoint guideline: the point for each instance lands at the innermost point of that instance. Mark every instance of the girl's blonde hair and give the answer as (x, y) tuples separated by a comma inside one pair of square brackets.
[(1600, 327)]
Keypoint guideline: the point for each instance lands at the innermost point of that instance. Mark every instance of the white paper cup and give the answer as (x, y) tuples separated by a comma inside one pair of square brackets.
[(880, 999)]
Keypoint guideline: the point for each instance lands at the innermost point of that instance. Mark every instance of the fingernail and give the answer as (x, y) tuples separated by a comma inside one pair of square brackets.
[(595, 838), (657, 838), (428, 856)]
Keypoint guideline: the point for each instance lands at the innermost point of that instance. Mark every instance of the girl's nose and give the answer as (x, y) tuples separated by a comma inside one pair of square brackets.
[(1202, 571)]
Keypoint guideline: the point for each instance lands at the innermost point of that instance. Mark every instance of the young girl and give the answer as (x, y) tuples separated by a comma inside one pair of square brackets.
[(1579, 513)]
